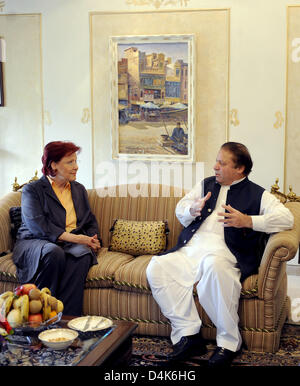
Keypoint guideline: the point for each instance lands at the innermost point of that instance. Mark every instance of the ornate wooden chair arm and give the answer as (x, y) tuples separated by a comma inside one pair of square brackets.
[(291, 196)]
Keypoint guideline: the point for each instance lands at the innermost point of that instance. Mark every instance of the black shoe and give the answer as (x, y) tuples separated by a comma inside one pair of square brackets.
[(222, 357), (187, 346)]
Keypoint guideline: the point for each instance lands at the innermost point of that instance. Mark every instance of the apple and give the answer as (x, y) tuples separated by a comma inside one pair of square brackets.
[(35, 319), (18, 291), (24, 289), (27, 288)]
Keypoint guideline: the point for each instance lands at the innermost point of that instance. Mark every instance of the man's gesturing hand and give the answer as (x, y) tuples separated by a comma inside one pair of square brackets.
[(198, 204), (235, 218)]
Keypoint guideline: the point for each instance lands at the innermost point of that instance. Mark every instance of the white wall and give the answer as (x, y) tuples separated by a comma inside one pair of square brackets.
[(257, 77)]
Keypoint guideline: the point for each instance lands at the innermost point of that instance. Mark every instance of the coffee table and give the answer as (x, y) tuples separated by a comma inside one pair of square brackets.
[(115, 349), (112, 347)]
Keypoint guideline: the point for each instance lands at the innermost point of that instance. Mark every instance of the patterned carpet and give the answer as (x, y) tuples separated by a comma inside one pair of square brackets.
[(151, 351)]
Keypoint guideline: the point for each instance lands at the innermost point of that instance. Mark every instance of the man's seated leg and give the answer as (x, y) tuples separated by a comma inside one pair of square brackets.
[(219, 293), (177, 304)]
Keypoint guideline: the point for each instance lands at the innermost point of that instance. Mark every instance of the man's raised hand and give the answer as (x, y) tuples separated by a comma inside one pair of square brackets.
[(198, 204), (235, 218)]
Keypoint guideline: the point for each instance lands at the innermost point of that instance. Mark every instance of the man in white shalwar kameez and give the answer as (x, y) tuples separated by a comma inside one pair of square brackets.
[(225, 218)]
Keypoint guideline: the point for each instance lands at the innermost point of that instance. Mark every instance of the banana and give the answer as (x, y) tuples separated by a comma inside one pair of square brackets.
[(60, 306), (46, 306), (4, 296), (17, 303), (6, 305), (24, 308), (46, 291)]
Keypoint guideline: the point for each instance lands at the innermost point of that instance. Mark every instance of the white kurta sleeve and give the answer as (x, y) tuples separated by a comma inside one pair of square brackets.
[(273, 217), (183, 206)]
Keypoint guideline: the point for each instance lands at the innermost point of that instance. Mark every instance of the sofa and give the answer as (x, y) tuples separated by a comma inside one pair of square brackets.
[(117, 286)]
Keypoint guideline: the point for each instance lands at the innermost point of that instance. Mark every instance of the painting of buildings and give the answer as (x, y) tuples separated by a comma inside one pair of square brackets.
[(154, 88)]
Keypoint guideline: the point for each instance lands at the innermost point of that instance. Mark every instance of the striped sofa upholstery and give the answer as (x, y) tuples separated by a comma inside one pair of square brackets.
[(117, 286)]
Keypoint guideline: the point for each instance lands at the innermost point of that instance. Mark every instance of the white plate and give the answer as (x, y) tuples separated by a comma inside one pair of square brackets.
[(89, 323)]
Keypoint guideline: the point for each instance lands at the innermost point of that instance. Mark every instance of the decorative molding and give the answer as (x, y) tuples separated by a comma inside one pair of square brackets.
[(210, 25), (86, 115), (234, 117), (292, 99), (158, 3), (48, 120), (279, 120)]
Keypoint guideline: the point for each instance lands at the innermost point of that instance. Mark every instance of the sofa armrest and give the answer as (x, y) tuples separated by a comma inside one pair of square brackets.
[(6, 202), (281, 247)]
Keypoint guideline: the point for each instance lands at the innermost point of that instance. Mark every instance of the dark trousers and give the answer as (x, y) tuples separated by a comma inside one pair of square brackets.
[(65, 275)]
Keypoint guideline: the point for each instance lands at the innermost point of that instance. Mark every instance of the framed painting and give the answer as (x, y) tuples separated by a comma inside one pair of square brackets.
[(152, 79)]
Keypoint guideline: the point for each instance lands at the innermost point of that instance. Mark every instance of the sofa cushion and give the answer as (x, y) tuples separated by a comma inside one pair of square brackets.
[(119, 270), (102, 275), (138, 237), (132, 275)]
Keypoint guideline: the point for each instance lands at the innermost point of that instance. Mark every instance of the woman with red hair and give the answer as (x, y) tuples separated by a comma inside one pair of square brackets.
[(58, 240)]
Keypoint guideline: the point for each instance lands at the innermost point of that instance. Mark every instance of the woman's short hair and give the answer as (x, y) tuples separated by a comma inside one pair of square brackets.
[(240, 155), (54, 152)]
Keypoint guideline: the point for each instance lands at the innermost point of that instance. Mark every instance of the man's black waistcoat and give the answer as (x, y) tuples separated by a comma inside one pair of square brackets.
[(245, 244)]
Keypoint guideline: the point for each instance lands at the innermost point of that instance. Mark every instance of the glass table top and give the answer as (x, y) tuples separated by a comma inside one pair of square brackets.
[(29, 351)]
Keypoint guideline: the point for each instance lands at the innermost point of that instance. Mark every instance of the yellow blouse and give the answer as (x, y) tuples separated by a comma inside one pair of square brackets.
[(65, 198)]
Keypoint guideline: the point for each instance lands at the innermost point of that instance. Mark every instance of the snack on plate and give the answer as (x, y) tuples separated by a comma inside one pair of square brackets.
[(28, 305)]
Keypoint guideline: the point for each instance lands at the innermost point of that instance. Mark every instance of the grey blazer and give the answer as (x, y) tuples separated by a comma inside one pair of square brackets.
[(44, 220)]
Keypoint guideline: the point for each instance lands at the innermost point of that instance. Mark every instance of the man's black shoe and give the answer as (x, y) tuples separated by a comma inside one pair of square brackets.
[(222, 357), (187, 346)]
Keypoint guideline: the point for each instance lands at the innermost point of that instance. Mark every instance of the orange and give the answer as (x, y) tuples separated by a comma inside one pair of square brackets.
[(52, 314)]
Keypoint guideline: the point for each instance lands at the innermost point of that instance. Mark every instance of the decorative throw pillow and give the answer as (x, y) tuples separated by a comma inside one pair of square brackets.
[(139, 237), (15, 215)]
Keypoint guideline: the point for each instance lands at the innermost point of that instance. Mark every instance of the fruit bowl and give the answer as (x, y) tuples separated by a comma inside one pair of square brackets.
[(29, 328), (29, 309), (58, 338)]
